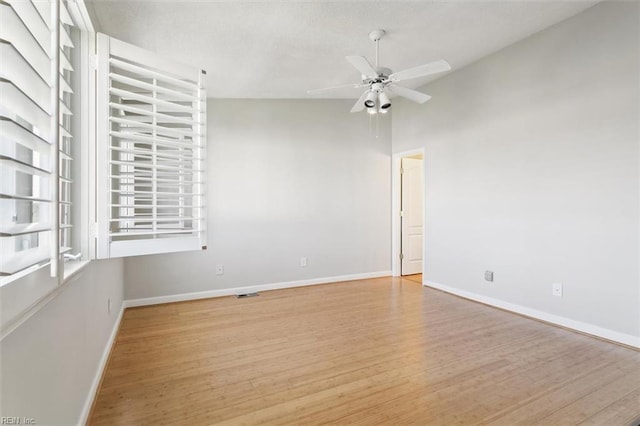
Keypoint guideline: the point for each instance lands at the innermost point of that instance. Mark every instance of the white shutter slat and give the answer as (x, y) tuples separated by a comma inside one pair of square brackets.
[(65, 63), (139, 164), (32, 216), (166, 106), (32, 161), (65, 38), (17, 106), (14, 136), (25, 198), (64, 110), (137, 232), (30, 228), (44, 9), (139, 112), (138, 125), (34, 23), (11, 184), (145, 204), (172, 94), (150, 195), (12, 28), (157, 140), (147, 73), (150, 154), (141, 179), (14, 68), (64, 133), (65, 16), (19, 253), (65, 156), (65, 87), (148, 219)]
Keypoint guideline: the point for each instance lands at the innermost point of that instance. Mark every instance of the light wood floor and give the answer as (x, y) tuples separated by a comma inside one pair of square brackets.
[(381, 351)]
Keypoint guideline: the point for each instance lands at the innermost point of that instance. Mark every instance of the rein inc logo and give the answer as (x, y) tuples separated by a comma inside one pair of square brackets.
[(5, 420)]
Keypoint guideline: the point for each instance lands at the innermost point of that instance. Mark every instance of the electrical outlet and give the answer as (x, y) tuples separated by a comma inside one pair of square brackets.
[(488, 276), (219, 269), (303, 262), (556, 289)]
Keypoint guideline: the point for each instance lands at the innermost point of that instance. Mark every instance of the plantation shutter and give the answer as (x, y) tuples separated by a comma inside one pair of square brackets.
[(150, 154), (28, 133), (65, 137)]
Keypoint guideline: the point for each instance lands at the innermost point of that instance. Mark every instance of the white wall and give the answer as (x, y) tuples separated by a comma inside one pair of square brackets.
[(532, 170), (48, 364), (287, 178)]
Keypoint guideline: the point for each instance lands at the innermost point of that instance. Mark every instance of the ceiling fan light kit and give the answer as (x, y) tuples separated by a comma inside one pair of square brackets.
[(380, 81), (370, 101), (385, 102)]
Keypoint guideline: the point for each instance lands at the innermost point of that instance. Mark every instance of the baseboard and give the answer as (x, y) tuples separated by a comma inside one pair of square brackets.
[(583, 327), (86, 410), (250, 289)]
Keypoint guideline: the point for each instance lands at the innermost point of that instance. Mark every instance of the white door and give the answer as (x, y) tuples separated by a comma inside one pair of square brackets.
[(411, 220)]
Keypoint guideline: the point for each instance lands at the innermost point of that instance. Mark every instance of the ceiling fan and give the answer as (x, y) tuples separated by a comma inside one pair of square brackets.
[(380, 81)]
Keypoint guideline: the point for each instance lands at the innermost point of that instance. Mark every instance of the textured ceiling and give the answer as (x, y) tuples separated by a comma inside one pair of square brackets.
[(280, 49)]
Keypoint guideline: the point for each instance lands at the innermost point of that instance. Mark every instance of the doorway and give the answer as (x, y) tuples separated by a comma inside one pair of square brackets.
[(408, 213)]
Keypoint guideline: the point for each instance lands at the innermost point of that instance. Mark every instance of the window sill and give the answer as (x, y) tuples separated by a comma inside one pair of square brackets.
[(72, 268)]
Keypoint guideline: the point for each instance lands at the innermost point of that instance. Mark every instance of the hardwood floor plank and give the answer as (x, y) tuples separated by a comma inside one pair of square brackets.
[(552, 406), (622, 411), (379, 351)]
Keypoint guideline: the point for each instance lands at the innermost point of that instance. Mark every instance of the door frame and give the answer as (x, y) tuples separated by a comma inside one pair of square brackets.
[(396, 197)]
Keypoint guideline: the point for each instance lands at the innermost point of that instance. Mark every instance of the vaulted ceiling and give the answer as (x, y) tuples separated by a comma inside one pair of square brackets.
[(280, 49)]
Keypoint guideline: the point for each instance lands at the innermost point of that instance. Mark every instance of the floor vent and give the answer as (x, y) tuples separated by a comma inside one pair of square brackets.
[(242, 296)]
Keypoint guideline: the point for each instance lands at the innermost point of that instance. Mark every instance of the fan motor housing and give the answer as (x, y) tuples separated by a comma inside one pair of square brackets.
[(384, 71), (377, 87)]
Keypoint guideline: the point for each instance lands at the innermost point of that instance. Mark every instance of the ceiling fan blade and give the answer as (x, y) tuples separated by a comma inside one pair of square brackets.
[(421, 71), (410, 94), (359, 105), (361, 64), (342, 86)]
